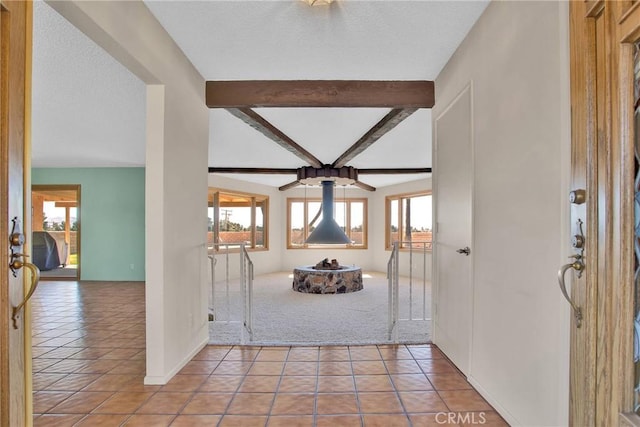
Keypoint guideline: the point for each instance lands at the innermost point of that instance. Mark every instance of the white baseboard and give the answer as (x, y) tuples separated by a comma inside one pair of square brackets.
[(508, 417), (162, 380)]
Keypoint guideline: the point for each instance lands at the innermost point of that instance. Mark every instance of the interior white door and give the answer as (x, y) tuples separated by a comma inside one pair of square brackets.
[(453, 163)]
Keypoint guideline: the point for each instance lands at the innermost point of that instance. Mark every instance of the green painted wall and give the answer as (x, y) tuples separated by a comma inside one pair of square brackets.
[(111, 219)]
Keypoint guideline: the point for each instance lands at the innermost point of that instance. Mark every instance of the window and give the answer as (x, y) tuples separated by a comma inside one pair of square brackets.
[(304, 214), (408, 220), (236, 218)]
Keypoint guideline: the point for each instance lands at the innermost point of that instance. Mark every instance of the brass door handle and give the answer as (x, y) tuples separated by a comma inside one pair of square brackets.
[(35, 279), (579, 267)]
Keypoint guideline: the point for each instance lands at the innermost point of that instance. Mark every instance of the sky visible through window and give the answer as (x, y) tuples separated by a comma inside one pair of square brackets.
[(241, 215), (420, 214), (54, 214)]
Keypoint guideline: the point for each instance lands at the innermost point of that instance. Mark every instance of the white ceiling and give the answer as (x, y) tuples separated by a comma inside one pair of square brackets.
[(88, 110), (240, 40)]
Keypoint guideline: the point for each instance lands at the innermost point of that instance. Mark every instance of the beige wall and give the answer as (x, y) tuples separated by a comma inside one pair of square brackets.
[(176, 159), (516, 57)]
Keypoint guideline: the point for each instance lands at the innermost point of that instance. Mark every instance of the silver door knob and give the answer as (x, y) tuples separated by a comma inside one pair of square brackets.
[(464, 250)]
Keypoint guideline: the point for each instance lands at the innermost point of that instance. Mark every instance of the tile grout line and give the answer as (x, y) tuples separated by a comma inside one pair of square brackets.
[(355, 388), (397, 393), (277, 388), (316, 393), (426, 375), (211, 374), (244, 376)]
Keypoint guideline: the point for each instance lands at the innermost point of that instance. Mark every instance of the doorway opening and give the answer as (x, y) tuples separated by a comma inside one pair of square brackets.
[(56, 231)]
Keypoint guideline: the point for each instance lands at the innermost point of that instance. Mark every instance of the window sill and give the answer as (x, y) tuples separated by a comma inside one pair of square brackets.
[(325, 247), (210, 251), (428, 250)]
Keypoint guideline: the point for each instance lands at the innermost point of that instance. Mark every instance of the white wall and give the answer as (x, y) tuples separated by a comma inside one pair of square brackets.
[(177, 144), (517, 58)]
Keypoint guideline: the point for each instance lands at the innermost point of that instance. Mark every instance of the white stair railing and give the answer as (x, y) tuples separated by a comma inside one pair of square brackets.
[(405, 306), (246, 282), (413, 284), (393, 276), (212, 291), (229, 309)]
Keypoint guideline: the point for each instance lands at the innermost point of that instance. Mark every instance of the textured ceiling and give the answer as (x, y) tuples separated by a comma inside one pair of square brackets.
[(367, 40), (88, 110), (238, 40)]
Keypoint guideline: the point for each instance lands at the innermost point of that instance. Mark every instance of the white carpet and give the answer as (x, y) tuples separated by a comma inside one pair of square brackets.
[(283, 316)]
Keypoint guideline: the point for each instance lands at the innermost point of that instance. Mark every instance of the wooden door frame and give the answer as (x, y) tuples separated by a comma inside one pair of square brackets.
[(602, 371), (15, 113), (627, 34), (68, 187)]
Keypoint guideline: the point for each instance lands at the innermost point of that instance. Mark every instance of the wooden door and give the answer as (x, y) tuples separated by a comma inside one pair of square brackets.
[(603, 37), (15, 28), (453, 196)]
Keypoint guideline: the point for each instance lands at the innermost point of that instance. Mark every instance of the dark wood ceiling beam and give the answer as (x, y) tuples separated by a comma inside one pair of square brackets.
[(284, 171), (289, 185), (261, 124), (320, 93), (364, 186), (272, 171), (392, 171), (388, 122)]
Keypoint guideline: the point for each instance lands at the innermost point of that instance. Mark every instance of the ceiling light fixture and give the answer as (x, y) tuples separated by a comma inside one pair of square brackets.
[(318, 2)]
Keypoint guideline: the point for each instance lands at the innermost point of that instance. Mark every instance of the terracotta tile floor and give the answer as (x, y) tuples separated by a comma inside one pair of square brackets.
[(89, 365)]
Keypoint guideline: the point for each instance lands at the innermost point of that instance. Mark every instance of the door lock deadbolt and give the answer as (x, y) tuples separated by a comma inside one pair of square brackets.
[(577, 241), (577, 197), (16, 239)]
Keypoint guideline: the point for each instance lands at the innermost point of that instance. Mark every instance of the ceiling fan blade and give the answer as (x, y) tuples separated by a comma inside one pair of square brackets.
[(273, 171), (261, 124), (289, 185), (364, 186), (392, 171), (388, 122)]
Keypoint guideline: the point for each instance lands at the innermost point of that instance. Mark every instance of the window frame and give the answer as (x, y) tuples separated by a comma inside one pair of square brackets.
[(348, 201), (213, 199), (387, 221)]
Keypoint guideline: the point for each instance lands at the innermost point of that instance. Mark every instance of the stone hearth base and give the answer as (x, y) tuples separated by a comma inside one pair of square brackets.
[(312, 281)]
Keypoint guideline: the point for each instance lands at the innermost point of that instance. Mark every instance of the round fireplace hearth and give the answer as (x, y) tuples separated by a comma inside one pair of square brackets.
[(311, 280)]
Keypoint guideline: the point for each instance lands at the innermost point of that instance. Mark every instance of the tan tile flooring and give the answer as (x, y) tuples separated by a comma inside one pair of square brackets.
[(89, 364)]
